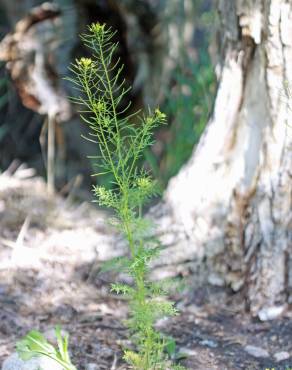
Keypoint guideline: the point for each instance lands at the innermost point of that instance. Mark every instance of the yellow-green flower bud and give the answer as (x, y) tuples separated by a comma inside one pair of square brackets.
[(97, 28), (106, 121), (85, 62), (144, 182), (99, 106), (159, 115)]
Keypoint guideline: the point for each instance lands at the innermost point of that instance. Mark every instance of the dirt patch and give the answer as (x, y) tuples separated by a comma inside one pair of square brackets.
[(48, 276)]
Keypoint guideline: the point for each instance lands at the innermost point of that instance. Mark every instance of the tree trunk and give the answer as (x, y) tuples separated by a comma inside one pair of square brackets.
[(227, 214)]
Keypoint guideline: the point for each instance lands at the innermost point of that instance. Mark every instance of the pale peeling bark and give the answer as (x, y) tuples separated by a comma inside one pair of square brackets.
[(227, 214)]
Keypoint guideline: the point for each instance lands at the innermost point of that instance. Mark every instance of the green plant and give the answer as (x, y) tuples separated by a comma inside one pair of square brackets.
[(189, 96), (121, 144), (188, 104), (34, 344)]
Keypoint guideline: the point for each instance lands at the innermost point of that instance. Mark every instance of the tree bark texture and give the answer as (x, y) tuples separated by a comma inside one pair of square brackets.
[(227, 214)]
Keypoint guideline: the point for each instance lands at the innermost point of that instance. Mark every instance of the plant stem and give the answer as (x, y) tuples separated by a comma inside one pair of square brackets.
[(139, 280)]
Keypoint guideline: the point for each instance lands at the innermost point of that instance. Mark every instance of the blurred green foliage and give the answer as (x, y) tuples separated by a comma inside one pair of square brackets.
[(188, 105), (189, 100)]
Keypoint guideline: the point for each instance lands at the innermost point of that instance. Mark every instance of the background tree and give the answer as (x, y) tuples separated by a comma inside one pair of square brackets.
[(227, 214)]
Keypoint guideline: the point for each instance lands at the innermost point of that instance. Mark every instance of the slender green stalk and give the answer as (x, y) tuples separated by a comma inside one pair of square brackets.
[(121, 143)]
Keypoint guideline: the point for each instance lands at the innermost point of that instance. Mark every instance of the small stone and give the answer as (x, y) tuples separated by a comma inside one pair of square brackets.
[(106, 352), (216, 280), (185, 351), (256, 351), (271, 313), (14, 362), (91, 366), (209, 343), (281, 356)]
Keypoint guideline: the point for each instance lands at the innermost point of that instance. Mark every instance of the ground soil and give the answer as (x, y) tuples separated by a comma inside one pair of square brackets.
[(46, 280)]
